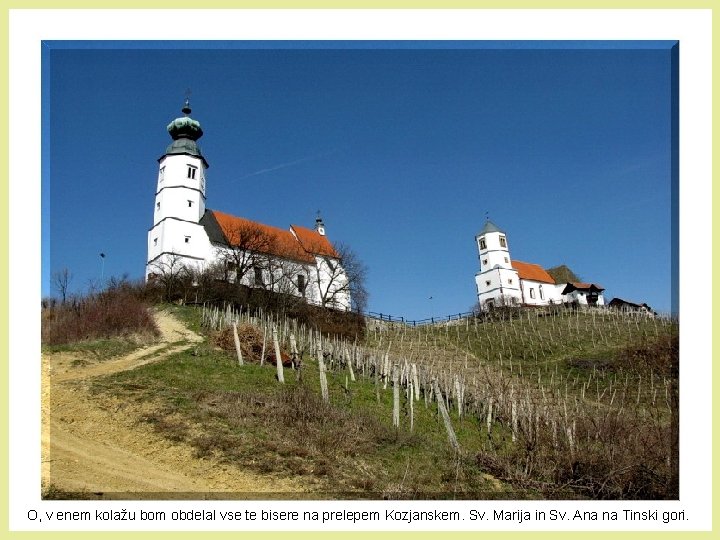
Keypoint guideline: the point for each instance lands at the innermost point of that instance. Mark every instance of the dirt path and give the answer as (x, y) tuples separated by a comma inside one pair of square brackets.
[(98, 446)]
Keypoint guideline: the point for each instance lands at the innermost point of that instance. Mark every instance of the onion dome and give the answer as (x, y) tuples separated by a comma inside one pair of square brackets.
[(185, 132)]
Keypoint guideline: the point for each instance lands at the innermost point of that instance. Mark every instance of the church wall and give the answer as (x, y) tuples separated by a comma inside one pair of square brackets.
[(329, 282), (173, 172), (581, 298), (503, 287), (179, 203), (532, 293), (179, 237)]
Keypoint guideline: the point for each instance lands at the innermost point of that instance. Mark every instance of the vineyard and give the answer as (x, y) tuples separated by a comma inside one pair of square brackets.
[(553, 403)]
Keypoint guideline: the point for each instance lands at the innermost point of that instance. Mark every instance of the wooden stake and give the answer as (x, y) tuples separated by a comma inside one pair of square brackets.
[(237, 345), (446, 418), (396, 398), (278, 358)]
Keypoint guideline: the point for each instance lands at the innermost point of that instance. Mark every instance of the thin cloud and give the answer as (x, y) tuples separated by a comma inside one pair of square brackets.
[(288, 164)]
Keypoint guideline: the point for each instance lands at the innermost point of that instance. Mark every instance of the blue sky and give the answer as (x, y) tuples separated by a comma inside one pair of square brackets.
[(403, 148)]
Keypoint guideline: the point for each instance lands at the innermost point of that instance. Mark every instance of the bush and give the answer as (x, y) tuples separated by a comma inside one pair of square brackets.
[(120, 310)]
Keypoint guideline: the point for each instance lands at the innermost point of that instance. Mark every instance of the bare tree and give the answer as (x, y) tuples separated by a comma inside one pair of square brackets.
[(169, 271), (60, 281), (246, 242), (341, 279)]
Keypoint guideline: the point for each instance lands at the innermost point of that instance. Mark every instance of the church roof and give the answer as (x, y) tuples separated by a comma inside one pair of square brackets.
[(533, 272), (239, 232), (588, 287), (185, 132), (314, 242), (489, 227)]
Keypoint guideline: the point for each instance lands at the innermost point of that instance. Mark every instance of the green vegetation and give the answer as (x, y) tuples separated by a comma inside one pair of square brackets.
[(544, 403), (345, 448)]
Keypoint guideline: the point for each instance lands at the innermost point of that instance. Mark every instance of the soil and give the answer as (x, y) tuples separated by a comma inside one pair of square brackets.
[(96, 445)]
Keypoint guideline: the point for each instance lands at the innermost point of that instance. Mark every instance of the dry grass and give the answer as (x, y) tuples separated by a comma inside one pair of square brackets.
[(117, 311)]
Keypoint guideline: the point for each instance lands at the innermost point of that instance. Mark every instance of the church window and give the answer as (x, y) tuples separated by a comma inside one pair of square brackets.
[(154, 241), (191, 171), (487, 283), (301, 284), (503, 243), (157, 205), (532, 292), (259, 277), (162, 174), (187, 239), (506, 260), (482, 243), (540, 290), (484, 262), (510, 281), (189, 204)]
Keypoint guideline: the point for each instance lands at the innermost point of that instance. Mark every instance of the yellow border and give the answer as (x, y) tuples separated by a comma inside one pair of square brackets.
[(279, 4), (4, 267), (362, 4)]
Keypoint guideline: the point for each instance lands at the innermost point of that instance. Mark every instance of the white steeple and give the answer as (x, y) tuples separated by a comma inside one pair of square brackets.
[(319, 225), (497, 281), (180, 195)]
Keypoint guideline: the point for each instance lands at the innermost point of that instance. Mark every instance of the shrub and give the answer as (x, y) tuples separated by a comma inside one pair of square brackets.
[(119, 310)]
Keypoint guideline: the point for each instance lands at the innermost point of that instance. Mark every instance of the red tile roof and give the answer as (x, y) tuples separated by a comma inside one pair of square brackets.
[(273, 240), (313, 242), (533, 272), (582, 287)]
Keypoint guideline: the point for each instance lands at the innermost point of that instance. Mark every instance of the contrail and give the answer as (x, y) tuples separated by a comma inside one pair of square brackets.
[(288, 164)]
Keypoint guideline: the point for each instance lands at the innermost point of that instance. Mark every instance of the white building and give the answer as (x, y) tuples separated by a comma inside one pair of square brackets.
[(504, 282), (186, 234)]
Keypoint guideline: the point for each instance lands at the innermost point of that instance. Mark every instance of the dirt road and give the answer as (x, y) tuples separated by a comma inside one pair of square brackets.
[(96, 445)]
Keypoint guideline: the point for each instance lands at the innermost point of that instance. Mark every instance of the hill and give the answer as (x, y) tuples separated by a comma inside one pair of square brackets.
[(536, 404), (563, 274)]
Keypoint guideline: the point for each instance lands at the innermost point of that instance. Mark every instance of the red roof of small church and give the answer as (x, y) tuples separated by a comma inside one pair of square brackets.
[(570, 287), (301, 246), (533, 272)]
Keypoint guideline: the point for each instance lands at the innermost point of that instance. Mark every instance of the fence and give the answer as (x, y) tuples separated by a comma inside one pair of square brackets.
[(431, 320)]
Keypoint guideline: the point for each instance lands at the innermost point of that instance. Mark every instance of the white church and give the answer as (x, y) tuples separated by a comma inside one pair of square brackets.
[(187, 235), (504, 282)]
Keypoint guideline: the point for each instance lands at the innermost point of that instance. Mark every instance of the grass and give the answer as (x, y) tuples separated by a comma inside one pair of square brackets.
[(347, 448), (101, 349), (584, 405)]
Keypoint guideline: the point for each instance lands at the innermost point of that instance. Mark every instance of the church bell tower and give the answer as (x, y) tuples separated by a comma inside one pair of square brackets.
[(497, 282), (179, 199)]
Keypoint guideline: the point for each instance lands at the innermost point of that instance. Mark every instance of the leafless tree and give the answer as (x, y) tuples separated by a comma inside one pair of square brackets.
[(247, 241), (336, 279), (60, 281), (169, 271)]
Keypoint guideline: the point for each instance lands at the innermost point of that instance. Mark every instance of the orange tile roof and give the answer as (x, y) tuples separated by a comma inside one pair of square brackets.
[(262, 238), (583, 286), (314, 242), (533, 272)]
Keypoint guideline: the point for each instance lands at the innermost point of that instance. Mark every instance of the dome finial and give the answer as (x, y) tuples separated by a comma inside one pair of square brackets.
[(186, 109)]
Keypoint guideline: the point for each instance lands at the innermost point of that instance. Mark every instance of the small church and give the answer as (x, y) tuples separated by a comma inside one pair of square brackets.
[(186, 235), (502, 281)]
